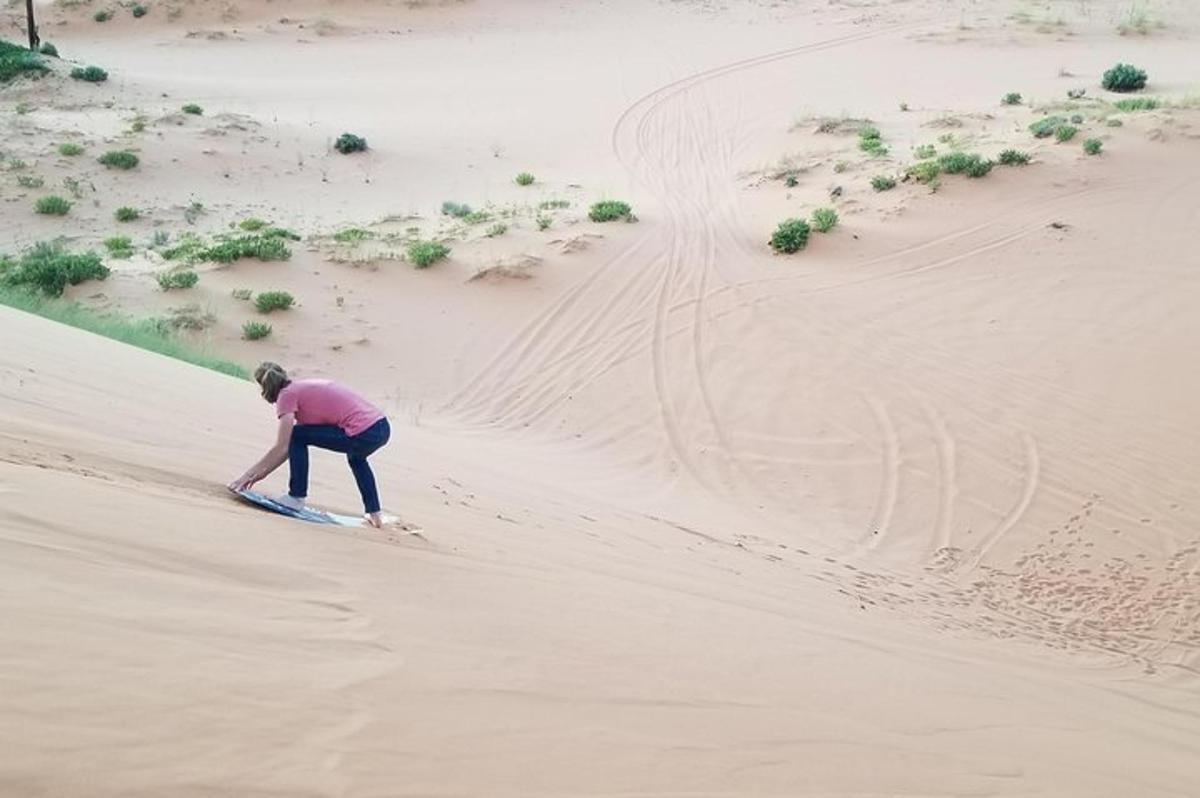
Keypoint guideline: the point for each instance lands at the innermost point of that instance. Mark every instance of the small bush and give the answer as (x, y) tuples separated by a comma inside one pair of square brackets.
[(824, 219), (926, 172), (30, 181), (1013, 158), (791, 181), (120, 247), (1045, 127), (170, 281), (264, 247), (348, 143), (1114, 122), (48, 49), (544, 222), (160, 238), (49, 268), (979, 167), (90, 74), (52, 205), (70, 149), (525, 179), (139, 10), (458, 210), (554, 205), (971, 164), (119, 159), (1077, 119), (883, 182), (1065, 132), (1012, 98), (423, 254), (1076, 94), (269, 301), (790, 236), (351, 235), (255, 330), (127, 214), (1093, 146), (252, 224), (1124, 77), (498, 229), (244, 294), (610, 211), (15, 60), (102, 16), (925, 151), (870, 140), (1136, 104), (193, 109)]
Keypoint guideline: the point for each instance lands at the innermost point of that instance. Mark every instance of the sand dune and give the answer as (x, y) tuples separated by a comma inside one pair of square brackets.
[(913, 511)]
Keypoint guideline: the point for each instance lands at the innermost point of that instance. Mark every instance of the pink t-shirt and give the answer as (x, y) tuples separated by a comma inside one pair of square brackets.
[(326, 402)]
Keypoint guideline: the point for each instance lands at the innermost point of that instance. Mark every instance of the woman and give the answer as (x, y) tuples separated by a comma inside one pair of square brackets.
[(324, 414)]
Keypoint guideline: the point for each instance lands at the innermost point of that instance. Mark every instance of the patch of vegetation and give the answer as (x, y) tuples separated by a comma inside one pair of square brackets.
[(70, 149), (524, 179), (1047, 126), (824, 219), (1136, 20), (127, 214), (477, 217), (138, 10), (1114, 122), (1065, 132), (348, 143), (48, 49), (544, 222), (957, 163), (1092, 146), (255, 330), (119, 159), (252, 224), (791, 181), (90, 74), (1012, 98), (1124, 77), (1013, 158), (244, 294), (148, 334), (1076, 94), (423, 254), (52, 205), (193, 211), (30, 181), (48, 267), (1077, 119), (790, 236), (172, 280), (870, 140), (610, 211), (120, 247), (16, 60), (840, 167), (103, 15), (498, 229), (925, 151), (1137, 104), (188, 248), (883, 182), (927, 172), (458, 210), (264, 247), (352, 235), (553, 205), (270, 301), (193, 109)]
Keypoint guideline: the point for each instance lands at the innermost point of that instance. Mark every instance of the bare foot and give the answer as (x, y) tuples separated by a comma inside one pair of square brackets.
[(375, 520)]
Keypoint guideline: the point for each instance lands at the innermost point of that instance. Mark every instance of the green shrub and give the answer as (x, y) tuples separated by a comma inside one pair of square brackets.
[(610, 211), (870, 140), (189, 248), (423, 254), (458, 210), (791, 181), (1012, 98), (119, 247), (52, 205), (1137, 104), (255, 330), (184, 278), (525, 179), (119, 159), (1045, 127), (244, 294), (48, 49), (1065, 132), (138, 10), (70, 149), (90, 74), (979, 167), (348, 143), (926, 172), (103, 15), (1124, 77), (269, 301), (925, 151), (544, 222), (554, 205), (281, 232), (350, 235), (790, 236), (1013, 158), (883, 182), (498, 229), (30, 181), (49, 268), (1077, 119), (252, 224), (264, 247), (193, 109), (1076, 94), (16, 60), (957, 163), (1093, 146), (824, 219), (127, 214)]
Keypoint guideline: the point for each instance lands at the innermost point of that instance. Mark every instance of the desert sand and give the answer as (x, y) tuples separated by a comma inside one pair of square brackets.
[(914, 511)]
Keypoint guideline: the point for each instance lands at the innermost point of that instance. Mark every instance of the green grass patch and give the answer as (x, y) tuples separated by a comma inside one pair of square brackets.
[(1013, 158), (127, 214), (103, 15), (172, 280), (1137, 104), (255, 330), (30, 181), (870, 140), (252, 224), (925, 152), (927, 172), (119, 159), (120, 247), (790, 236), (1093, 146), (883, 182), (52, 205), (423, 254), (554, 205), (16, 61), (824, 219), (1065, 133), (348, 143), (352, 235), (193, 109), (610, 211), (263, 247), (524, 179), (1045, 127), (270, 301), (89, 74), (48, 267), (498, 229), (1012, 98), (70, 149), (459, 210)]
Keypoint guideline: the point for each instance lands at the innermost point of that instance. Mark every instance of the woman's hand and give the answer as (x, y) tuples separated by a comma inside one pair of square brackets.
[(244, 482)]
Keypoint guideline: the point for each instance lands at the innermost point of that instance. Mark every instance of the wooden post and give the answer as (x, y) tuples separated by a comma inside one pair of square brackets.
[(34, 40)]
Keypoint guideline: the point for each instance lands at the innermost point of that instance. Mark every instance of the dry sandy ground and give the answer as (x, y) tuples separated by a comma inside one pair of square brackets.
[(914, 512)]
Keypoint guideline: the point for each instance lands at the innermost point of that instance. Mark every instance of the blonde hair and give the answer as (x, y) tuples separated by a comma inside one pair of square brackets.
[(272, 379)]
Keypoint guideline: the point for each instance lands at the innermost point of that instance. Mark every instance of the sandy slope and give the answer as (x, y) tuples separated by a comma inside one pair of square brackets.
[(914, 512)]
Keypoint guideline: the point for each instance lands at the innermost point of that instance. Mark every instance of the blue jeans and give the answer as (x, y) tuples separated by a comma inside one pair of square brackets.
[(357, 449)]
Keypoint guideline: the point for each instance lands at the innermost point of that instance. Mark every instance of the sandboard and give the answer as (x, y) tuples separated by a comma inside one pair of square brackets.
[(306, 514)]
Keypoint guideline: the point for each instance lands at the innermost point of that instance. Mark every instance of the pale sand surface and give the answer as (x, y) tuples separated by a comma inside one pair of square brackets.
[(914, 512)]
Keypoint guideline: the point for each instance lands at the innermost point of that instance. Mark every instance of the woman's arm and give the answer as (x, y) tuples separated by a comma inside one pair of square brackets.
[(275, 456)]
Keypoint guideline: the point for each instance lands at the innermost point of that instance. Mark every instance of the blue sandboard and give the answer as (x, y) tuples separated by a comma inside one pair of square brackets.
[(306, 514)]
